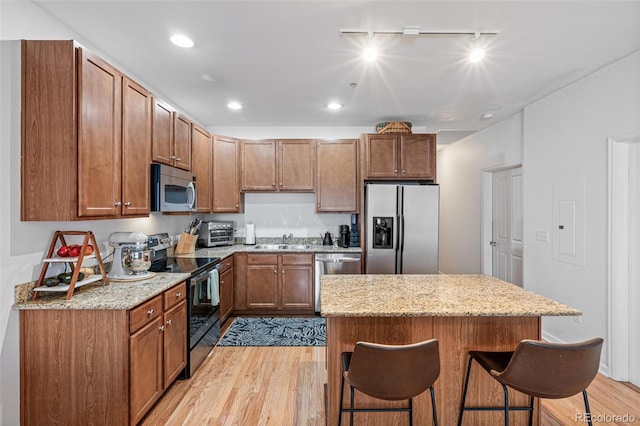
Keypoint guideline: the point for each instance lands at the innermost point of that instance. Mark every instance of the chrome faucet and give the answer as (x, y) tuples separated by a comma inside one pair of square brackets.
[(286, 239)]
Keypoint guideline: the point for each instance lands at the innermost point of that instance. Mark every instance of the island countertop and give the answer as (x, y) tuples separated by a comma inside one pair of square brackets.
[(432, 295)]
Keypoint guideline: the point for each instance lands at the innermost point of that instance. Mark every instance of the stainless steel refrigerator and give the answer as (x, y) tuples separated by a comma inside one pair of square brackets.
[(401, 225)]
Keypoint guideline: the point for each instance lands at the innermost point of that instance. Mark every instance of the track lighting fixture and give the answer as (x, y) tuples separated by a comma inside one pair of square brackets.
[(476, 49)]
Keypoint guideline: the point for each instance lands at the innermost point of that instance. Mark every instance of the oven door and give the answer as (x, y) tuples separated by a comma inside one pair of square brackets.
[(204, 304)]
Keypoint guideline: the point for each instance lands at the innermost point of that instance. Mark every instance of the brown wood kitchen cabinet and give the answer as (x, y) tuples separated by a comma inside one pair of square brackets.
[(337, 176), (136, 148), (157, 348), (400, 156), (278, 165), (202, 167), (100, 366), (227, 197), (171, 137), (269, 282), (226, 288), (85, 127)]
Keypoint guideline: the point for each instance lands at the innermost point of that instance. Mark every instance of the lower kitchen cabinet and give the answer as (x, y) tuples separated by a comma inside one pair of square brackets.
[(273, 283), (226, 288), (90, 366)]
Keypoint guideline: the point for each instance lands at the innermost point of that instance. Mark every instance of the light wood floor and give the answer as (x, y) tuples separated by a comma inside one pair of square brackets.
[(285, 386)]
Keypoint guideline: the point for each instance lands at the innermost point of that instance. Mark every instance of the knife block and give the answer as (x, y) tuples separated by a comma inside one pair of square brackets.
[(186, 244)]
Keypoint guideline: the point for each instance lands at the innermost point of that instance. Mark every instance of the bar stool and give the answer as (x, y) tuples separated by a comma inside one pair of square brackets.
[(391, 372), (539, 369)]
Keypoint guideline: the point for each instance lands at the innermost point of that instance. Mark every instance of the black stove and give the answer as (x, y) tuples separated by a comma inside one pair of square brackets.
[(163, 263), (182, 264), (203, 298)]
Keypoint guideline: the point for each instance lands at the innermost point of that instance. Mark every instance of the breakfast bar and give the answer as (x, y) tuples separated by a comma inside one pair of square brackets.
[(464, 312)]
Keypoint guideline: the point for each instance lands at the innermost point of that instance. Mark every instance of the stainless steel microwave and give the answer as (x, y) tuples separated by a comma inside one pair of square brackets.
[(172, 189)]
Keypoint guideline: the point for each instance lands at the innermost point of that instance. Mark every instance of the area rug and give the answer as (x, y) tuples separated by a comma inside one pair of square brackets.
[(276, 332)]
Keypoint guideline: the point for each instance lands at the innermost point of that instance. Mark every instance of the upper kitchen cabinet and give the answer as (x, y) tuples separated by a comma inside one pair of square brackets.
[(259, 172), (84, 127), (337, 176), (278, 165), (201, 167), (136, 148), (296, 160), (171, 137), (399, 156), (226, 175), (182, 142)]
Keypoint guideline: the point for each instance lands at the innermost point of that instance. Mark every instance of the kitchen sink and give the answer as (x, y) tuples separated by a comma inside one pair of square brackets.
[(269, 246), (282, 246)]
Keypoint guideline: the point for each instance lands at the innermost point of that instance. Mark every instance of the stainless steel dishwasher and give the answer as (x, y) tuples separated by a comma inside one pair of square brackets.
[(334, 264)]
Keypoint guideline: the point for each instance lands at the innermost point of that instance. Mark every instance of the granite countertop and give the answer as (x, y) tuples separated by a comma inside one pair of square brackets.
[(432, 295), (224, 251), (126, 295), (116, 295)]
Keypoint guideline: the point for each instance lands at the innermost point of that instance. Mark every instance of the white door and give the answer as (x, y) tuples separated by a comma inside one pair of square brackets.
[(623, 265), (507, 225), (634, 267)]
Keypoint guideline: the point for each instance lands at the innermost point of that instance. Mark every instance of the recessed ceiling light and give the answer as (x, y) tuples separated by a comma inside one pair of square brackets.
[(334, 106), (181, 40), (487, 116), (234, 105)]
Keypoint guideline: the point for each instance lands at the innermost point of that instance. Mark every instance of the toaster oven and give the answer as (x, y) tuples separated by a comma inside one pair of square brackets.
[(215, 233)]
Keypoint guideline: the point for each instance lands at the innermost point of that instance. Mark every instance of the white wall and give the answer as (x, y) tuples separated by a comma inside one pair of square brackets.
[(461, 167), (561, 137), (565, 137)]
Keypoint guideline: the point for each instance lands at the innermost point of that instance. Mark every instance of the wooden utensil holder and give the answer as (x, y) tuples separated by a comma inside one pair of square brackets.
[(186, 244)]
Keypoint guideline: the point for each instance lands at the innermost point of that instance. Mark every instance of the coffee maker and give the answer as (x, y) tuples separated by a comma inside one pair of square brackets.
[(344, 237)]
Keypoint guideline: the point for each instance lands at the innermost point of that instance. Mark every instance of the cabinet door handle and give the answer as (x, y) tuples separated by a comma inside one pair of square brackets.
[(404, 171), (221, 282), (169, 322), (128, 203), (283, 272), (178, 294), (395, 171), (280, 183), (178, 159), (273, 184), (161, 328), (150, 312), (118, 203), (275, 272), (173, 157), (237, 206)]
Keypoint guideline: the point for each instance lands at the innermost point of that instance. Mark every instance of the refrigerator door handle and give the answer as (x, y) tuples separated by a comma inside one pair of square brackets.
[(400, 229)]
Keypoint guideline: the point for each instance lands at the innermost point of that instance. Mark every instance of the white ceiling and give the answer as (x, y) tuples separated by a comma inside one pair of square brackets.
[(284, 60)]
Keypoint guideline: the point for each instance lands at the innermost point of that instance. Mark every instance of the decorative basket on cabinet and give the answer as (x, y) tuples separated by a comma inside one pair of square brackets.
[(394, 127)]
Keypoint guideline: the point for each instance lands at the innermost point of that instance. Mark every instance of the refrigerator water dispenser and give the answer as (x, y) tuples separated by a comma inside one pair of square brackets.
[(382, 232)]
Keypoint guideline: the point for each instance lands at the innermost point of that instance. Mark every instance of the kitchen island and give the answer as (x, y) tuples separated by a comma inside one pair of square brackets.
[(464, 312)]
